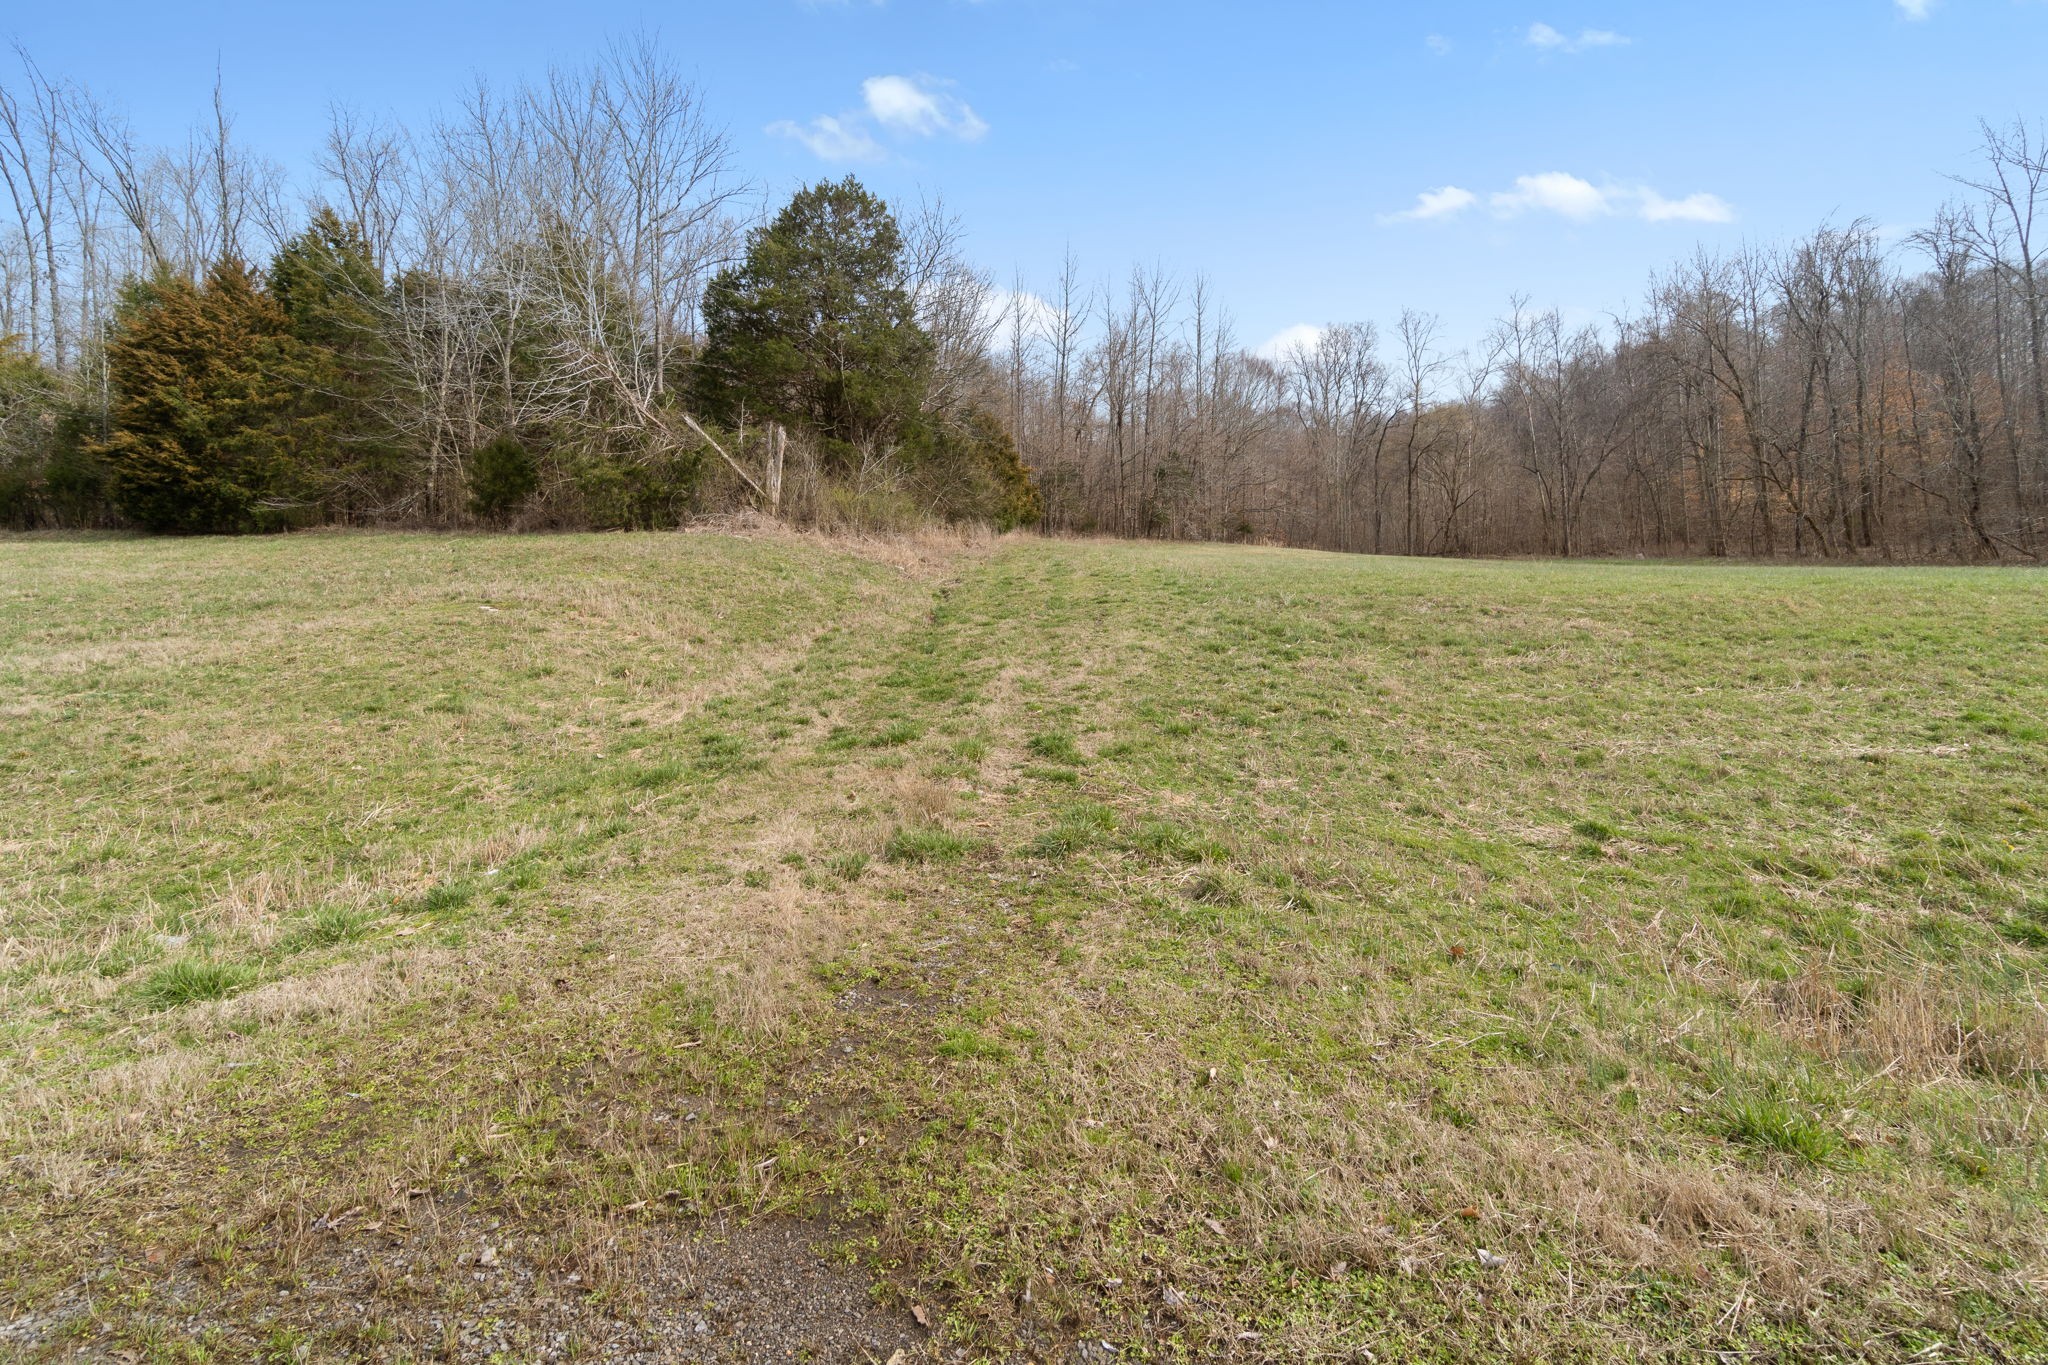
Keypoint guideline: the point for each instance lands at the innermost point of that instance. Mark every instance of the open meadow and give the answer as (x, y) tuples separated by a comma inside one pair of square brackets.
[(485, 948)]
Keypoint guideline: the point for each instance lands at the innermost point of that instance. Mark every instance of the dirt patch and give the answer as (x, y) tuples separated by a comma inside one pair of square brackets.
[(477, 1290)]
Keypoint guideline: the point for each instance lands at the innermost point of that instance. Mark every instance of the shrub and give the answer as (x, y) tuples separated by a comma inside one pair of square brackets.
[(502, 476), (637, 490)]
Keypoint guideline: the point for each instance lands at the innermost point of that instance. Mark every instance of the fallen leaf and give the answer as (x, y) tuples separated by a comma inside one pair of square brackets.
[(924, 1319), (1214, 1226)]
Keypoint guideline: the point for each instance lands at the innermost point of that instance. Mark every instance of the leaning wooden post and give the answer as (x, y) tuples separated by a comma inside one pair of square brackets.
[(724, 454), (778, 443)]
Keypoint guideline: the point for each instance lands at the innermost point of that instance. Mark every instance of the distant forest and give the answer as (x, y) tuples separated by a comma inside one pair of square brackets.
[(562, 305)]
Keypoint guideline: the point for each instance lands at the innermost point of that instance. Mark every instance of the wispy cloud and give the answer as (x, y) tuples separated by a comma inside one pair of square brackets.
[(903, 107), (1302, 336), (1915, 10), (1437, 203), (1653, 207), (921, 106), (1547, 39), (831, 138), (1571, 197), (1437, 43)]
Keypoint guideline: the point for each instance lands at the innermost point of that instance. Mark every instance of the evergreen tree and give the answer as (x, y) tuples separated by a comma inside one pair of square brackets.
[(815, 328), (28, 405), (502, 477), (197, 437), (1011, 499), (971, 470), (331, 293)]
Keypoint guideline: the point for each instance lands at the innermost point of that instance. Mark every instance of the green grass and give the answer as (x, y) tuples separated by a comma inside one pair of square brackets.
[(924, 846), (1773, 1124), (193, 979), (1277, 928)]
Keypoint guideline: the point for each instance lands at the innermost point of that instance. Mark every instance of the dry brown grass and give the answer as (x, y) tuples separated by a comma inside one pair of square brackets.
[(1914, 1021)]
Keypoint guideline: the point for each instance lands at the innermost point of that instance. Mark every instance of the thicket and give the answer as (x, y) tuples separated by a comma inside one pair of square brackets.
[(548, 309), (542, 312)]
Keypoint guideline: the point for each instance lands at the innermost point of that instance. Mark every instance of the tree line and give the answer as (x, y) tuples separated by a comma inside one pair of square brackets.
[(546, 309), (1832, 398), (559, 305)]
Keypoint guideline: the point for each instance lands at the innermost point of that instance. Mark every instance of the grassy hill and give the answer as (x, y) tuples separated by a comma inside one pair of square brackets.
[(411, 946)]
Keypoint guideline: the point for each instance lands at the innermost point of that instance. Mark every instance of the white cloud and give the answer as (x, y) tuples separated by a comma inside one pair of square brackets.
[(1002, 305), (1553, 192), (904, 106), (1437, 203), (920, 107), (830, 138), (1302, 336), (1571, 197), (1694, 208), (1437, 43), (1915, 9), (1547, 39)]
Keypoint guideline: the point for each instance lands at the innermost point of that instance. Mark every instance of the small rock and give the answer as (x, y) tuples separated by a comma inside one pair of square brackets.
[(1490, 1261)]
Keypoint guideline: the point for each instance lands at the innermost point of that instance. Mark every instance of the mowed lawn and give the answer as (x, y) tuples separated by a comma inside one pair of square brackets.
[(1111, 951)]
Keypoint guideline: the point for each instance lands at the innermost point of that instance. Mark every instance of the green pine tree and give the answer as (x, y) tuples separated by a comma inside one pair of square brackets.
[(331, 292), (197, 437), (815, 329)]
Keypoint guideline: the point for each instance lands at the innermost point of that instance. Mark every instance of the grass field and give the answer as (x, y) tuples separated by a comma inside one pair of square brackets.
[(1210, 952)]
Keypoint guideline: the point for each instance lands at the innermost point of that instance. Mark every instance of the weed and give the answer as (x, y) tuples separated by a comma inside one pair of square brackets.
[(848, 866), (191, 979), (924, 845), (1057, 748), (333, 924), (1778, 1126)]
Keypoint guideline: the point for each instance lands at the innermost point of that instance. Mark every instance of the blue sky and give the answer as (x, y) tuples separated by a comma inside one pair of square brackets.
[(1568, 147)]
